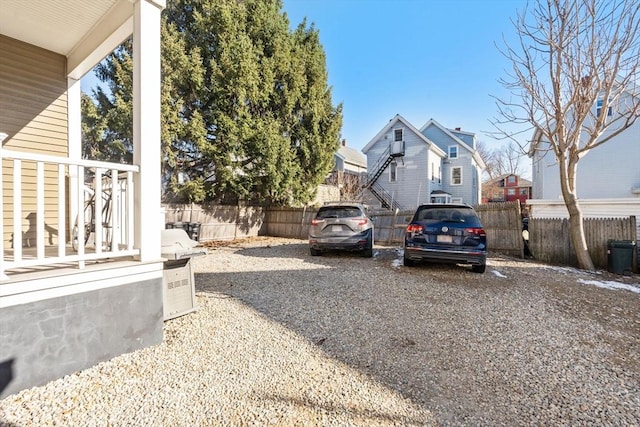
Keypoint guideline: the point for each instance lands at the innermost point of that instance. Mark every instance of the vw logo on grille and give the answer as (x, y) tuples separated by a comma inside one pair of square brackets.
[(445, 229)]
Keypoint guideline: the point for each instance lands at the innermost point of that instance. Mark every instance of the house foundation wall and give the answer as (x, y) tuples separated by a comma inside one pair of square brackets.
[(48, 339)]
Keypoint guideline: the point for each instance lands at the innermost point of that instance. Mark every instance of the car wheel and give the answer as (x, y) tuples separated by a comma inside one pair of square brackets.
[(314, 252), (408, 262), (479, 268)]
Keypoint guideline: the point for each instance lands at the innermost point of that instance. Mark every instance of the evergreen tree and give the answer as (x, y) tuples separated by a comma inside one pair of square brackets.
[(246, 110)]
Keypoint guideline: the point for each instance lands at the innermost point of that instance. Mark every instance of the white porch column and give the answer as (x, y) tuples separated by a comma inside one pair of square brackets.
[(146, 126), (3, 276), (74, 119)]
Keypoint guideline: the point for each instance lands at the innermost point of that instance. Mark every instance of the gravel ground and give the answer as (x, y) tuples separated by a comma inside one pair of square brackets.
[(283, 338)]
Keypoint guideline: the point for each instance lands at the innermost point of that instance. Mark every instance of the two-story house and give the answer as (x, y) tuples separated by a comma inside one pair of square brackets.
[(506, 188), (409, 166), (607, 181)]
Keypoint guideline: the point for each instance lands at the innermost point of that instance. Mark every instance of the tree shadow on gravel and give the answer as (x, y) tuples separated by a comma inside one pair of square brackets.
[(465, 346)]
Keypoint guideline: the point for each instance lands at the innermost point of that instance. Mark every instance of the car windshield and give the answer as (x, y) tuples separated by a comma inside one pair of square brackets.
[(339, 212), (448, 214)]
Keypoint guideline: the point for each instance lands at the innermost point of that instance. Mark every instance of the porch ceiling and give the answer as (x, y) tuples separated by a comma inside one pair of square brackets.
[(58, 26)]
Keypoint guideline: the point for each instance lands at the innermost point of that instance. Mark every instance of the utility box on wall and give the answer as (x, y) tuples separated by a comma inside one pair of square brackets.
[(397, 149)]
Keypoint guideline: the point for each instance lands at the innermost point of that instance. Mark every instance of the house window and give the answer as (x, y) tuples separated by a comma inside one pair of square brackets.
[(599, 108), (511, 179), (453, 152), (457, 200), (439, 174), (393, 172), (456, 176), (511, 191), (433, 171), (397, 134), (524, 191)]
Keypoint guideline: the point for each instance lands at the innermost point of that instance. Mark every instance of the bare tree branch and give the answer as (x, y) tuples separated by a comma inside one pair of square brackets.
[(574, 77)]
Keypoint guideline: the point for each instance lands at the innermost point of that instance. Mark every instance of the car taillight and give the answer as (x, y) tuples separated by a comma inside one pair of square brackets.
[(476, 231), (316, 221), (363, 221), (415, 228)]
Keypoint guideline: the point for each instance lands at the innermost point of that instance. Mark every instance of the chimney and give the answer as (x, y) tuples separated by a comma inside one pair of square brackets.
[(458, 129), (344, 142)]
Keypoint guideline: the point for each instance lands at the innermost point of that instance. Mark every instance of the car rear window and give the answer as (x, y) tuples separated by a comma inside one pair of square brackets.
[(339, 212), (448, 214)]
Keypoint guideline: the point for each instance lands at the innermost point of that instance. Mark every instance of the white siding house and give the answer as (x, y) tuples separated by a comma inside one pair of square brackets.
[(349, 160), (608, 179), (435, 165)]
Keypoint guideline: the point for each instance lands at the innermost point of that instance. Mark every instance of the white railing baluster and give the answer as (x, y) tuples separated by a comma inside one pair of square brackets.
[(3, 276), (114, 218), (40, 210), (62, 223), (97, 210), (129, 211), (80, 217), (17, 210), (111, 201)]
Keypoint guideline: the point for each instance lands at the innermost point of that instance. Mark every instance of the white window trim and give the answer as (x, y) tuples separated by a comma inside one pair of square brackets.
[(456, 200), (461, 176), (393, 169), (393, 136), (599, 104), (457, 152)]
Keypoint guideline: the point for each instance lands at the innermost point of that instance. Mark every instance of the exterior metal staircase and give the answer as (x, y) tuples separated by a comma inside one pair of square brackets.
[(386, 200), (377, 190)]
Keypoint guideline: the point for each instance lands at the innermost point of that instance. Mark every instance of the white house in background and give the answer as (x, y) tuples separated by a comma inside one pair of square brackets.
[(408, 167), (62, 308), (608, 178), (349, 160)]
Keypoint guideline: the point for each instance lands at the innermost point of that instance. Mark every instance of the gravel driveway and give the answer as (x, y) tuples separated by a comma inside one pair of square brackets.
[(283, 338)]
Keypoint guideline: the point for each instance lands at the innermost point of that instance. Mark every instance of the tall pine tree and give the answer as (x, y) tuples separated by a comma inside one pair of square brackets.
[(247, 113)]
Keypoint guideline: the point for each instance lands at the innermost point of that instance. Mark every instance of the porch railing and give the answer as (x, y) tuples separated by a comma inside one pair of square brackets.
[(58, 197)]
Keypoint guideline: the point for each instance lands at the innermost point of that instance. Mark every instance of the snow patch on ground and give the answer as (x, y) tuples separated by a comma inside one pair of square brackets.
[(611, 285), (398, 262), (498, 274)]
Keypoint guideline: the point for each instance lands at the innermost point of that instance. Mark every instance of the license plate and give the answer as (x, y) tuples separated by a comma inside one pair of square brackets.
[(336, 228), (444, 239)]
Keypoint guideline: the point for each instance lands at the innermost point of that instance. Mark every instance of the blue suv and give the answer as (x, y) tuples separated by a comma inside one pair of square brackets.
[(446, 233)]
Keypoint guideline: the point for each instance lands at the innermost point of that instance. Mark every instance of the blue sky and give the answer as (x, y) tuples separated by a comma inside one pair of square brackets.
[(421, 59)]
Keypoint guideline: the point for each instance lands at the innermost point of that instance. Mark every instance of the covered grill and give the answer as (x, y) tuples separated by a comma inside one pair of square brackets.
[(179, 296)]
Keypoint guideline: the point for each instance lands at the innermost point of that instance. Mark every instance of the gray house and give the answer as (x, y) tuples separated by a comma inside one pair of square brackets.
[(409, 166), (349, 160)]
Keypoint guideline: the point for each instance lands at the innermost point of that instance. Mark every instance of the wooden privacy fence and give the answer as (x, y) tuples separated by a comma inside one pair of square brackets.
[(220, 222), (550, 240), (501, 221), (289, 222), (294, 223), (503, 224)]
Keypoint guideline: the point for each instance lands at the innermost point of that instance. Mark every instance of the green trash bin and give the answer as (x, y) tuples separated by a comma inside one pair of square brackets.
[(620, 256)]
